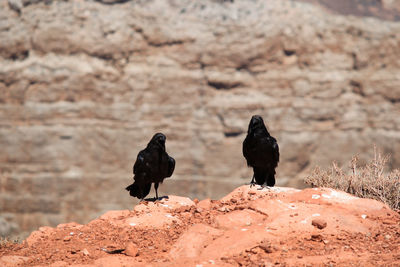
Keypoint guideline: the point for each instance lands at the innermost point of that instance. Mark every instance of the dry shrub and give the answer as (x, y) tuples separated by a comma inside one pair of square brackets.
[(4, 241), (369, 181)]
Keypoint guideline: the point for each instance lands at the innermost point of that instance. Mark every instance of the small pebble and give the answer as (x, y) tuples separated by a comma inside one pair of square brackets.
[(223, 209), (319, 223), (85, 252), (131, 249)]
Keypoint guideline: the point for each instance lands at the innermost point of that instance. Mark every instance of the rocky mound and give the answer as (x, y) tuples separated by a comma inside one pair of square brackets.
[(250, 226)]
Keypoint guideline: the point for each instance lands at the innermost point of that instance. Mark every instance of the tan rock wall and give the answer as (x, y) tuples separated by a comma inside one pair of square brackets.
[(84, 85)]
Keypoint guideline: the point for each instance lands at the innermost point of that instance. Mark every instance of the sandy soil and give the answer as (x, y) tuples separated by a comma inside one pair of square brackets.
[(250, 227)]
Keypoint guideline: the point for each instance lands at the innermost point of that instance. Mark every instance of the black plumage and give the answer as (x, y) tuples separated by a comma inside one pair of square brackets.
[(152, 165), (261, 152)]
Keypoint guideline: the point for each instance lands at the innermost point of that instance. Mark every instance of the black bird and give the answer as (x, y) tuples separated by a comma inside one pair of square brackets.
[(152, 165), (261, 152)]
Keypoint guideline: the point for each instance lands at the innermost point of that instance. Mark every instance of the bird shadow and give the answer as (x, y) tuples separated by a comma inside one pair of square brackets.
[(154, 199)]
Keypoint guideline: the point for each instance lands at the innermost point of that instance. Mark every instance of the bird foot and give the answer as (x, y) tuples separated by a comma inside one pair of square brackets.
[(252, 184), (264, 186)]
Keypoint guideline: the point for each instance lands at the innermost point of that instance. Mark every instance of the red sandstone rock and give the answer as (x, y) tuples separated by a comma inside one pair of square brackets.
[(69, 225), (249, 227), (114, 214), (59, 264), (319, 223), (152, 220), (204, 204), (166, 204), (239, 219), (192, 242), (13, 260), (131, 250)]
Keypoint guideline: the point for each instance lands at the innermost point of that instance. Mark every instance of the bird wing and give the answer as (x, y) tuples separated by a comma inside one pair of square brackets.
[(275, 149), (268, 151), (246, 150), (171, 166), (261, 151), (140, 164)]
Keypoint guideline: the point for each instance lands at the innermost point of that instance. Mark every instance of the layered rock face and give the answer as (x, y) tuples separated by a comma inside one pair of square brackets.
[(85, 84)]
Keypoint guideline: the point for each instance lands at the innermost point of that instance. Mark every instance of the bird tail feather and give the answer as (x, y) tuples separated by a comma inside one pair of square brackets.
[(271, 179), (260, 176), (263, 176), (138, 191)]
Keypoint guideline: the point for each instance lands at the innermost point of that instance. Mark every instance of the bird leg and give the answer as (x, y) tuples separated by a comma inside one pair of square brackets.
[(252, 183), (141, 193), (156, 187)]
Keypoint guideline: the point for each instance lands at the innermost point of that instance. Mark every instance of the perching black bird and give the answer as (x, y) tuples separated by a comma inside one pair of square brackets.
[(261, 152), (152, 165)]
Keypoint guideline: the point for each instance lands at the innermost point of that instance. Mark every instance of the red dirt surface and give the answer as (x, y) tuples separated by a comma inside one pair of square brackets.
[(248, 227)]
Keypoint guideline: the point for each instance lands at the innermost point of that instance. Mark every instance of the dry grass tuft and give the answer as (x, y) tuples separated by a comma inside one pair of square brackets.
[(368, 181), (4, 241)]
